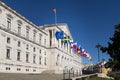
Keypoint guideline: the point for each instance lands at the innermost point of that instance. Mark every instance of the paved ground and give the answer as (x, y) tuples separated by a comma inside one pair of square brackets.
[(13, 76)]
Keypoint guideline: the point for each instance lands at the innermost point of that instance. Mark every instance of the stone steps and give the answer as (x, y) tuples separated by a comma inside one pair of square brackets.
[(14, 76)]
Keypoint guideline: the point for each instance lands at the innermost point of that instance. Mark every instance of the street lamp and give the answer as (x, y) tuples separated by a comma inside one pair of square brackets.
[(98, 47)]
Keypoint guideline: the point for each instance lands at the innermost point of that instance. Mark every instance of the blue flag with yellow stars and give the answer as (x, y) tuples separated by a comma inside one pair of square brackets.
[(59, 35)]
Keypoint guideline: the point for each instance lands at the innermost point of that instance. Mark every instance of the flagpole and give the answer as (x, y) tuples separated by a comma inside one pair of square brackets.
[(55, 14), (55, 18)]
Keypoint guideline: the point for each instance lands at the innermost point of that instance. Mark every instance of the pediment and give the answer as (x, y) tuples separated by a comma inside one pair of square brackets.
[(59, 27), (65, 28)]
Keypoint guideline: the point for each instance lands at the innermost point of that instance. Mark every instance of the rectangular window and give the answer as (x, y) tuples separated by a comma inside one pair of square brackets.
[(57, 61), (44, 42), (27, 57), (34, 35), (7, 53), (34, 70), (40, 58), (40, 38), (34, 56), (27, 69), (27, 33), (40, 51), (45, 63), (19, 29), (18, 44), (18, 56), (18, 69), (8, 40), (8, 23), (34, 49), (27, 46), (62, 43), (7, 68), (50, 32)]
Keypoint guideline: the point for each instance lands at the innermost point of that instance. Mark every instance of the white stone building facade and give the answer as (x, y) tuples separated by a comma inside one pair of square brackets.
[(27, 48)]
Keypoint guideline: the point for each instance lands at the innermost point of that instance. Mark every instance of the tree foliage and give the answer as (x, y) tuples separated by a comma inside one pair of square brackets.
[(113, 49)]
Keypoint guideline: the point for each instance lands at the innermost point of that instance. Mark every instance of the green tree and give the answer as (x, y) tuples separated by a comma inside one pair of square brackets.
[(113, 49)]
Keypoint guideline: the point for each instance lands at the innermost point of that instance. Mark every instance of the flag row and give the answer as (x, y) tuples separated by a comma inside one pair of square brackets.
[(77, 49)]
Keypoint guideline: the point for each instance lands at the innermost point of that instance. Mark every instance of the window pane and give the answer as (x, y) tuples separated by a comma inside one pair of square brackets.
[(18, 44), (8, 53), (27, 33), (18, 55), (8, 23), (27, 57), (8, 40), (34, 56), (19, 29)]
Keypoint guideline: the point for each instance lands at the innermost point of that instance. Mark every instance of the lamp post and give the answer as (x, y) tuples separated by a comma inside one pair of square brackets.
[(98, 47)]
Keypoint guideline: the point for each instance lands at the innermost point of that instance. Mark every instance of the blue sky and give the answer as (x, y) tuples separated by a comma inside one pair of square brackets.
[(90, 21)]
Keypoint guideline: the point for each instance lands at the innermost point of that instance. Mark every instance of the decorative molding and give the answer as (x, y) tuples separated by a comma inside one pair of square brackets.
[(27, 52), (9, 15), (20, 22), (19, 50), (9, 47), (27, 26)]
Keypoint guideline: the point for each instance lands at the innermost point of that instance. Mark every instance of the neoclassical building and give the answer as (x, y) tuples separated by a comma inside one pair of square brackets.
[(27, 48)]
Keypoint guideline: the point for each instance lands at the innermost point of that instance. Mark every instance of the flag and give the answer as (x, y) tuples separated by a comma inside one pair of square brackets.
[(67, 39), (83, 52), (59, 35), (54, 10), (71, 42), (73, 45), (87, 55), (78, 50), (90, 58)]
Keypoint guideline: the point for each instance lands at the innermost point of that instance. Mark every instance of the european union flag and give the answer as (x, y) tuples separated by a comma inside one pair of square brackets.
[(59, 35)]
